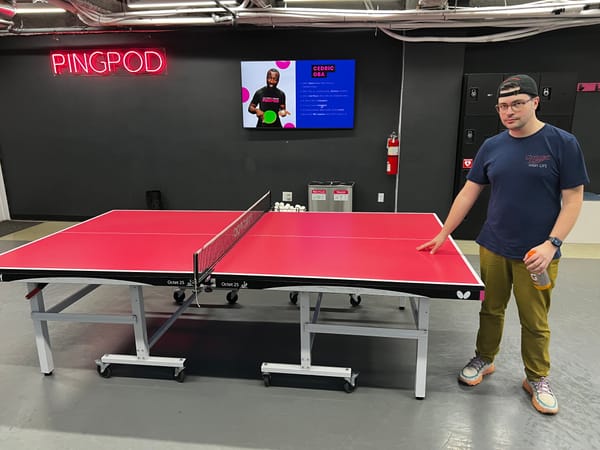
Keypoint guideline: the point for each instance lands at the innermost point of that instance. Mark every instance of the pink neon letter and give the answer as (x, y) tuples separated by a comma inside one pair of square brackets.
[(80, 64), (101, 69), (58, 63), (127, 60), (160, 68), (112, 61)]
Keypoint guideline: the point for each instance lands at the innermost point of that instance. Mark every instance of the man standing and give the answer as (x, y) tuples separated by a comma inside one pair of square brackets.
[(536, 173), (268, 102)]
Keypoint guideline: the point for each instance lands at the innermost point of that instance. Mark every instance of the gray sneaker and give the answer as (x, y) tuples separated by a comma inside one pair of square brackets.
[(542, 397), (473, 373)]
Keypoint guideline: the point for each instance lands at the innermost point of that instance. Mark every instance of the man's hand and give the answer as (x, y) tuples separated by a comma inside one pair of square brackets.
[(539, 258), (434, 244)]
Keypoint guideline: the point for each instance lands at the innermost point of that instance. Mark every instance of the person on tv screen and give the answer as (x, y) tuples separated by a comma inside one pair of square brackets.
[(268, 103)]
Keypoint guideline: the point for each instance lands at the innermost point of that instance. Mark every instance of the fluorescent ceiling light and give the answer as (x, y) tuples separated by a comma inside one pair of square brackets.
[(145, 4), (40, 10)]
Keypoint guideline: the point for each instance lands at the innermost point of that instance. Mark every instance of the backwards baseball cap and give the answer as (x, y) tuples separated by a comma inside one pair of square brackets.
[(518, 84)]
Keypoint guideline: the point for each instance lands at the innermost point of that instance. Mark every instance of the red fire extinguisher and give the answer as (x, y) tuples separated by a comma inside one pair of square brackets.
[(393, 149)]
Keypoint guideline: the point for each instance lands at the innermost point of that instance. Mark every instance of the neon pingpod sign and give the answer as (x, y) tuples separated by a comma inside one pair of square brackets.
[(109, 62)]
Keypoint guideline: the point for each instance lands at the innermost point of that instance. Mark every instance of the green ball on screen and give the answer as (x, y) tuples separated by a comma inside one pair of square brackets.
[(269, 117)]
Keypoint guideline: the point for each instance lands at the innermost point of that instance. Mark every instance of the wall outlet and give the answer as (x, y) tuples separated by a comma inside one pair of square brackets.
[(286, 196), (380, 197)]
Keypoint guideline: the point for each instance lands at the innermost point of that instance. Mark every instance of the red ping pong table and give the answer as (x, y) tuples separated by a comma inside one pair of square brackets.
[(307, 254)]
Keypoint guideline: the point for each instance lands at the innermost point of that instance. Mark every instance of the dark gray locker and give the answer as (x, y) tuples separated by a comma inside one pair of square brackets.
[(564, 122), (479, 93), (479, 121), (557, 94), (475, 130)]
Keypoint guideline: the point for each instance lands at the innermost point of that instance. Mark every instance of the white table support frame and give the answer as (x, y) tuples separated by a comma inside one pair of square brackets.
[(309, 328), (40, 316)]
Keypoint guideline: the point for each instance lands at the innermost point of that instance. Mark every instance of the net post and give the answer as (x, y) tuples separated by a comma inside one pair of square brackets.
[(195, 273)]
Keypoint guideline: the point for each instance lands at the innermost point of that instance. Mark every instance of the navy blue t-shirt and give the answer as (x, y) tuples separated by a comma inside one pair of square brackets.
[(526, 176)]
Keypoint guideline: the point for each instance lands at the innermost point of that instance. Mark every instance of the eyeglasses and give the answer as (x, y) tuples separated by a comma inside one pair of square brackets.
[(516, 106)]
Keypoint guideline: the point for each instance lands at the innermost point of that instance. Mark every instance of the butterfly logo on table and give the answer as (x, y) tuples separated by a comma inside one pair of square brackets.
[(463, 295)]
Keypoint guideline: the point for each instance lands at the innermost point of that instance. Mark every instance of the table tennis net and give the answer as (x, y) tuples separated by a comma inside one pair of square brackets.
[(209, 255)]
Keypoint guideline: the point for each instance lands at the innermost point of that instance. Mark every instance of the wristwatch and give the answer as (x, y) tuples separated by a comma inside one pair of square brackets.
[(555, 241)]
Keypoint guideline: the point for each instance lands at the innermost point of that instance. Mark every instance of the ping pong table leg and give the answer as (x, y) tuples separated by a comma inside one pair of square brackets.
[(142, 346), (40, 327), (305, 367), (140, 331), (422, 307), (305, 341)]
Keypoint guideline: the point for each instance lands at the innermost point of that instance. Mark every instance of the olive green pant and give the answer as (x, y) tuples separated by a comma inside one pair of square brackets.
[(500, 275)]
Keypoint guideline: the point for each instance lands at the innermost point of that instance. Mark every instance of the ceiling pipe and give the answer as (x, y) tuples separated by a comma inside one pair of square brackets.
[(528, 19)]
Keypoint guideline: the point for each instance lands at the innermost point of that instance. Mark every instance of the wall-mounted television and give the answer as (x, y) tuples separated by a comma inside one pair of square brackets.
[(298, 94)]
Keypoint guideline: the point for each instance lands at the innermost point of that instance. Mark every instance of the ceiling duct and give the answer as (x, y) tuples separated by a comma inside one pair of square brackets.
[(490, 21)]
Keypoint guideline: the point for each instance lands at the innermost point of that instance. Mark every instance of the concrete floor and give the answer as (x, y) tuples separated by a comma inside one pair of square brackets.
[(223, 403)]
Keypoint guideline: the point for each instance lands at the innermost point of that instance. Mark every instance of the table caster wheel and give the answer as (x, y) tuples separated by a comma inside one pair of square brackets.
[(267, 379), (179, 296), (106, 373), (180, 376), (349, 387), (232, 297)]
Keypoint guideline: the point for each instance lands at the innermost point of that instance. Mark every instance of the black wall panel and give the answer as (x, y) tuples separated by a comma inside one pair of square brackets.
[(432, 89), (77, 146), (586, 128), (565, 54)]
